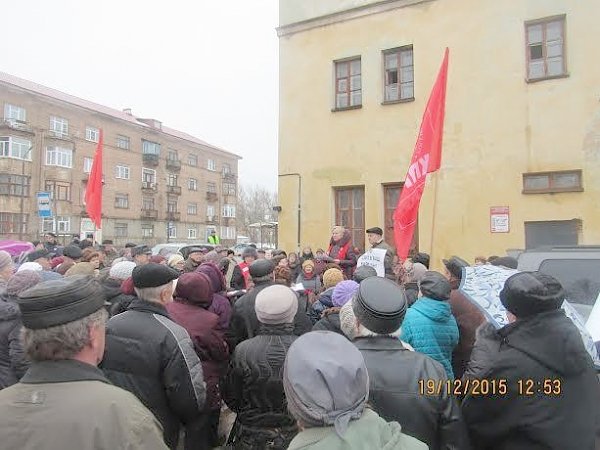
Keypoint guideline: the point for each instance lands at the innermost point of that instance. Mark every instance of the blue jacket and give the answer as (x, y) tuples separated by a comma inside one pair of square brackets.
[(323, 302), (430, 328)]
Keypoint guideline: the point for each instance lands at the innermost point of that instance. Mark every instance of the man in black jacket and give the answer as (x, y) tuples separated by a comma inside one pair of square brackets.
[(244, 324), (253, 387), (153, 357), (550, 399), (398, 376)]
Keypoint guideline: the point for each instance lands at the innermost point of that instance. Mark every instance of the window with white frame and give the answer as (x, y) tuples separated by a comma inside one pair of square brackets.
[(122, 172), (171, 179), (229, 188), (226, 169), (58, 156), (211, 165), (211, 187), (122, 142), (147, 230), (150, 148), (148, 203), (172, 231), (122, 201), (210, 212), (13, 147), (92, 134), (192, 233), (172, 206), (192, 209), (193, 184), (228, 233), (148, 175), (121, 230), (87, 164), (228, 210), (14, 113), (192, 160), (58, 126), (58, 224), (399, 74)]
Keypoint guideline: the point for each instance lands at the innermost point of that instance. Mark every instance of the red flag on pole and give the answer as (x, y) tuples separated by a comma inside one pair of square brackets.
[(93, 192), (427, 158)]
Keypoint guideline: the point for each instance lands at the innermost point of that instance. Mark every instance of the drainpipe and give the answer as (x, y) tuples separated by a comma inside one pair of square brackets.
[(299, 202)]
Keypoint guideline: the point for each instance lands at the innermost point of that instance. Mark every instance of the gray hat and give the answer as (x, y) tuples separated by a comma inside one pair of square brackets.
[(276, 305), (528, 293), (141, 250), (61, 301), (363, 272), (34, 256), (455, 266), (153, 275), (436, 286), (261, 268), (21, 281), (325, 380), (73, 251), (250, 251), (380, 305)]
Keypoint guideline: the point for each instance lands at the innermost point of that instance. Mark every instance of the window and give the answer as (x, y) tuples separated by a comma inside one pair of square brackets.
[(192, 233), (13, 147), (122, 172), (172, 206), (192, 209), (551, 233), (59, 190), (148, 175), (545, 48), (147, 230), (228, 233), (193, 160), (171, 179), (122, 201), (121, 230), (58, 156), (228, 210), (16, 185), (193, 184), (59, 127), (210, 165), (87, 164), (548, 182), (148, 203), (172, 231), (350, 213), (229, 188), (122, 142), (13, 223), (150, 148), (211, 187), (348, 88), (399, 74), (172, 155), (59, 224), (92, 134), (210, 212), (226, 169), (14, 113)]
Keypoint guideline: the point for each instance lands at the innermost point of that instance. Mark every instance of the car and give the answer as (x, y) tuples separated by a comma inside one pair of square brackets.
[(576, 267), (185, 251), (170, 248)]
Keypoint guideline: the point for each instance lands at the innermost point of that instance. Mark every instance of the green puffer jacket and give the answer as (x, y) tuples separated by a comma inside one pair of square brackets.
[(369, 432)]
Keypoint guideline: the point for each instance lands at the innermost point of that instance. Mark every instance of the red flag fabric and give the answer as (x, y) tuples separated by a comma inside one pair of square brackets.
[(93, 191), (427, 158)]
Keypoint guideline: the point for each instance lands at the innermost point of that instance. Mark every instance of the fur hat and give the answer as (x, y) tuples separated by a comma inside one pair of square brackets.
[(528, 293)]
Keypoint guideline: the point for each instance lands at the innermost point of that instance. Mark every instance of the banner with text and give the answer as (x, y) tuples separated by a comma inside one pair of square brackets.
[(374, 258)]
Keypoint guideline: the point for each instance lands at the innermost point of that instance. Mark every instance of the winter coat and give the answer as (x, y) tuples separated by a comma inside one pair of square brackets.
[(468, 318), (13, 363), (388, 261), (190, 265), (370, 431), (330, 321), (411, 289), (152, 357), (253, 386), (119, 302), (313, 284), (396, 394), (238, 281), (244, 324), (431, 329), (552, 395), (68, 404), (349, 262), (296, 270), (203, 328), (323, 302)]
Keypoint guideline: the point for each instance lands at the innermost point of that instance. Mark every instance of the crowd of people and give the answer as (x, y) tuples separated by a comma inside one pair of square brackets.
[(106, 348)]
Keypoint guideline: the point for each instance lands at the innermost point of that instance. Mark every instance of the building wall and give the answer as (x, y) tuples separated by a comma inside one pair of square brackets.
[(39, 109), (497, 127)]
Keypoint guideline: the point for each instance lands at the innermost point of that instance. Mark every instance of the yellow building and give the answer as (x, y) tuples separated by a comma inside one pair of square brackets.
[(522, 129)]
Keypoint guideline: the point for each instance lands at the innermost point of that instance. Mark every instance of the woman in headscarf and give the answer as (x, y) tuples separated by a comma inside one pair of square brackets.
[(220, 304), (341, 251), (176, 261), (294, 264)]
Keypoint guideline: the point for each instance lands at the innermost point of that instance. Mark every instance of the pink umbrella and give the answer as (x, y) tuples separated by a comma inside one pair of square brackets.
[(15, 248)]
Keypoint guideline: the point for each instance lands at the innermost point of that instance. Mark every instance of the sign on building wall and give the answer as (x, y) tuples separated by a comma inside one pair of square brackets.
[(43, 202), (500, 219)]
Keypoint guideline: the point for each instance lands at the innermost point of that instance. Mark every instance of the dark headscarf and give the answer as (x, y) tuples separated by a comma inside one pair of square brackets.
[(194, 288), (215, 276)]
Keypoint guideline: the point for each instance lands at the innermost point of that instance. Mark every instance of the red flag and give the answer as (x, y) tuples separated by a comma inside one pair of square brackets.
[(427, 158), (93, 192)]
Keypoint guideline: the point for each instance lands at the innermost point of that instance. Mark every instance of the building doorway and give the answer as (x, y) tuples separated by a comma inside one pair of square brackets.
[(350, 213), (391, 194)]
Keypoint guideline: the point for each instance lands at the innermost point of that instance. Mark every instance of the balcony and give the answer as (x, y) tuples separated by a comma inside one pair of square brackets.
[(175, 190), (18, 125), (173, 164), (211, 220), (226, 221), (150, 159), (212, 196), (229, 176), (172, 215), (149, 214), (148, 186)]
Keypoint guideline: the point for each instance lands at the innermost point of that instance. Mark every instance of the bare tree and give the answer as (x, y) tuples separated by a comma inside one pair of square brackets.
[(255, 206)]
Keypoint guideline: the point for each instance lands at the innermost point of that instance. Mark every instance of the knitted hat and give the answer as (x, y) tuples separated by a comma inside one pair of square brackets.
[(174, 259), (56, 261), (276, 304), (22, 281), (343, 292), (36, 267), (5, 259), (308, 262), (348, 321), (331, 277), (82, 268), (528, 293), (363, 272), (122, 270)]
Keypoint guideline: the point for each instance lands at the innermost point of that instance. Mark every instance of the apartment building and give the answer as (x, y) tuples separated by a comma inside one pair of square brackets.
[(160, 184)]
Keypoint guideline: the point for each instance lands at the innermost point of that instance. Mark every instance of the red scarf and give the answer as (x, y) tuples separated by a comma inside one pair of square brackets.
[(342, 252), (245, 273)]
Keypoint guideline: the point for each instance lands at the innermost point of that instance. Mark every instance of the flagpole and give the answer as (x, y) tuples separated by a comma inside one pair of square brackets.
[(435, 197)]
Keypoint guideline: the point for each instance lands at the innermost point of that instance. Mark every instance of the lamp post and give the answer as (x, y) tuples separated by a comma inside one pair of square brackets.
[(22, 206), (299, 201)]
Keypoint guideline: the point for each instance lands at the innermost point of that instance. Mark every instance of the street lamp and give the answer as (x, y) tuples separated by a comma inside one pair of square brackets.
[(22, 206)]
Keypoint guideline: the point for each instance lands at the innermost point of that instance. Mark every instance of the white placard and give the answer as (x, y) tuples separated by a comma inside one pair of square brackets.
[(593, 322), (375, 258)]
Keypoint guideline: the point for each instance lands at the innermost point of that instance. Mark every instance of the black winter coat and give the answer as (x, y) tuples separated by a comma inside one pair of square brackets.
[(13, 363), (546, 349), (324, 301), (244, 324), (152, 357), (119, 302), (330, 322), (396, 395)]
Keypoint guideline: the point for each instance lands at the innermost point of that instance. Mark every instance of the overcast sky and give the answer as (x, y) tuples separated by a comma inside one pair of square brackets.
[(206, 67)]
